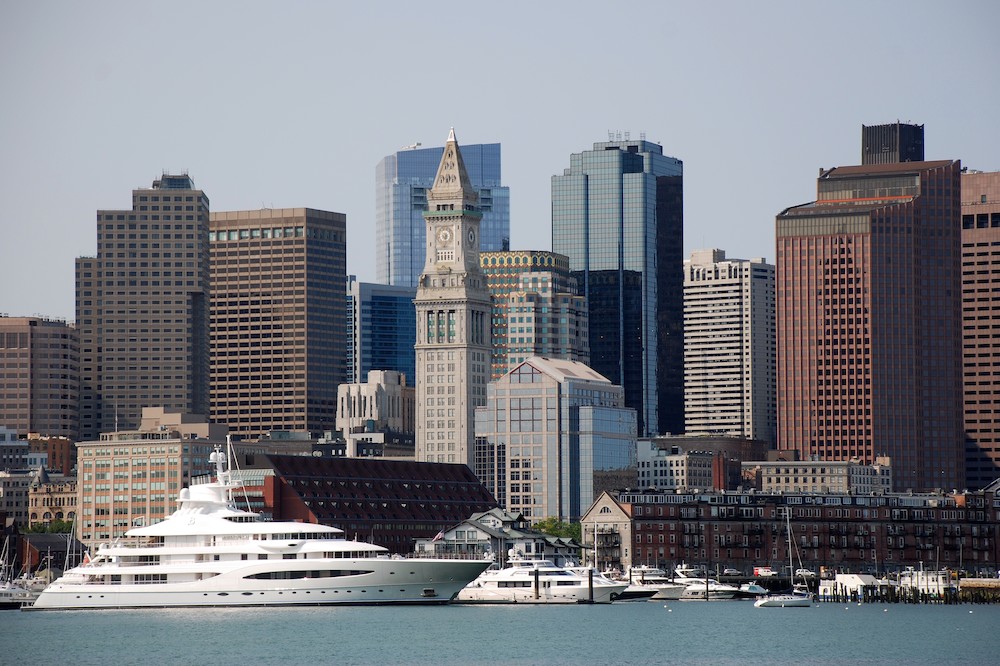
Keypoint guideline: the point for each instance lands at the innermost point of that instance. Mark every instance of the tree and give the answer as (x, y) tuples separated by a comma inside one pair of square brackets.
[(558, 528), (55, 527)]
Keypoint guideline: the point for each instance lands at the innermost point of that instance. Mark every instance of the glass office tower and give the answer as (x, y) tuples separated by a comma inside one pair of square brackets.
[(401, 184), (617, 213)]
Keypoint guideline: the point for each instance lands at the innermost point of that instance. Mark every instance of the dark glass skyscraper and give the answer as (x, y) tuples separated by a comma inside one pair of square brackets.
[(617, 213), (402, 181)]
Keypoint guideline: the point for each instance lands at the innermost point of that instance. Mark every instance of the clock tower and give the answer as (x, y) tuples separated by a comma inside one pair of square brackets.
[(453, 318)]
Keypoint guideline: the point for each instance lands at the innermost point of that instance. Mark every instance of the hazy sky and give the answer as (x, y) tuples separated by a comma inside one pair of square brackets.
[(292, 104)]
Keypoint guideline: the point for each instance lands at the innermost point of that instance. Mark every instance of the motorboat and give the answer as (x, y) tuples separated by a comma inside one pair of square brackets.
[(211, 553), (540, 582), (647, 578), (783, 601), (752, 590), (708, 590)]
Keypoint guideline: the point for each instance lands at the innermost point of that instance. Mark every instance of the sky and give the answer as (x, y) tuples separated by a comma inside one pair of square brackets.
[(293, 104)]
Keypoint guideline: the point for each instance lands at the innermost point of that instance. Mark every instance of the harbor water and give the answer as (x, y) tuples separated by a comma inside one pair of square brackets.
[(634, 633)]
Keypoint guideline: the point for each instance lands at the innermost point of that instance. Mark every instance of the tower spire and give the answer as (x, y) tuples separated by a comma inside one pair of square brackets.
[(452, 184)]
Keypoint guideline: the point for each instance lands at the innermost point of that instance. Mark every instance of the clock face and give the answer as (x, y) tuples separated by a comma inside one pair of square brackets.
[(472, 236), (444, 235)]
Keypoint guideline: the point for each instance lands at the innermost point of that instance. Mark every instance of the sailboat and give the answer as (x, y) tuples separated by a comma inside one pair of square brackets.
[(12, 593), (792, 599)]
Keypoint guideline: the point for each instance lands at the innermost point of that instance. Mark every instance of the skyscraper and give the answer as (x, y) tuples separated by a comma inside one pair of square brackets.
[(617, 213), (39, 377), (382, 324), (279, 319), (401, 184), (729, 348), (869, 321), (980, 321), (453, 318), (536, 308), (142, 309)]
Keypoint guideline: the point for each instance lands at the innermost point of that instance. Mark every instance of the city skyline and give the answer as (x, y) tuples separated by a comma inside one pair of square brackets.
[(302, 121)]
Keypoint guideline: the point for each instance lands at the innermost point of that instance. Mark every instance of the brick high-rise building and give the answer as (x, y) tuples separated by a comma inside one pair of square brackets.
[(981, 325), (39, 377), (278, 319), (142, 308), (869, 321)]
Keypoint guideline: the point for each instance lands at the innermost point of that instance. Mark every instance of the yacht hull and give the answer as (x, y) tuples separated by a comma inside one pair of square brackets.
[(359, 582)]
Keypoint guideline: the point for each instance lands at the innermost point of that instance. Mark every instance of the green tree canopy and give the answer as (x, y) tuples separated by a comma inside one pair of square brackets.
[(556, 527), (55, 527)]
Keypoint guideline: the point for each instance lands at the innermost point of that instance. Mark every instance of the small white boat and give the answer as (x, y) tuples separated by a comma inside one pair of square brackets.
[(800, 597), (14, 592), (783, 601), (210, 553), (752, 590), (540, 582), (708, 590), (652, 583)]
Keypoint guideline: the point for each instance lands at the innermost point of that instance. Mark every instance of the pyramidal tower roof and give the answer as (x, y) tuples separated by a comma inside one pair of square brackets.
[(452, 184)]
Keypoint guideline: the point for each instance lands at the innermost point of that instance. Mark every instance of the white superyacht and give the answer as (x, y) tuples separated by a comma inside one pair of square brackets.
[(209, 553)]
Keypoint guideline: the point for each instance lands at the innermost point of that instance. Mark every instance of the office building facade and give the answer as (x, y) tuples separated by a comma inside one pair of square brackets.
[(729, 346), (981, 325), (617, 213), (869, 323), (39, 377), (402, 183), (537, 309), (142, 308), (551, 437), (278, 319), (453, 318), (382, 328)]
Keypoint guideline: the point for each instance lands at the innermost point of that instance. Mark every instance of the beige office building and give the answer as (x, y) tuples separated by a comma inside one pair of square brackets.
[(39, 376), (729, 347), (142, 308), (132, 477), (278, 319)]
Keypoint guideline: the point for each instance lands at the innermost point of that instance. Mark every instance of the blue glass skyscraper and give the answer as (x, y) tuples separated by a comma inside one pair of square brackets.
[(618, 214), (401, 183), (382, 322)]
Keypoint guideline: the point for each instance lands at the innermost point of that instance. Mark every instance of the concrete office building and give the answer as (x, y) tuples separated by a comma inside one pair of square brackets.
[(279, 319), (453, 318), (729, 346), (536, 309), (869, 323), (981, 325), (551, 437), (383, 403), (382, 326), (618, 214), (39, 376), (142, 308), (402, 181)]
